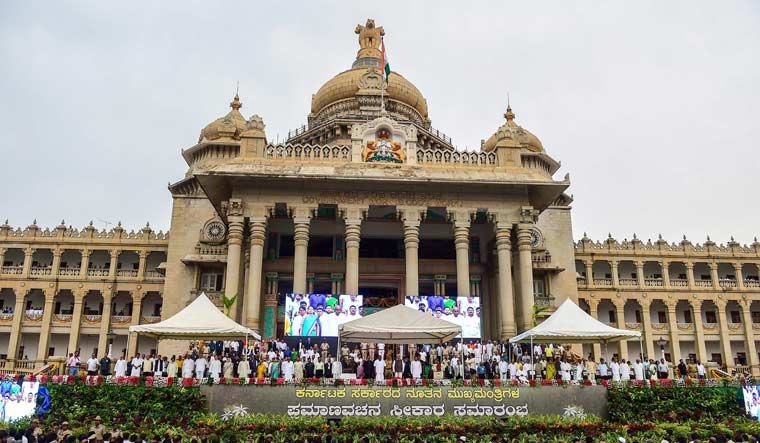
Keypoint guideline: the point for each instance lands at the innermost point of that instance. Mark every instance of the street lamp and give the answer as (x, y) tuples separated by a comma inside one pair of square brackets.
[(111, 336), (662, 343)]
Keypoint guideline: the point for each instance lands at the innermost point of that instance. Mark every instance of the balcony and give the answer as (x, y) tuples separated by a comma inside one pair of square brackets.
[(727, 283), (686, 327), (709, 326), (679, 282), (41, 270), (653, 282), (151, 318), (126, 273), (69, 272), (12, 270), (752, 283), (703, 283), (602, 281), (581, 281), (153, 274), (629, 282), (659, 326), (633, 325), (64, 318), (543, 300), (121, 319), (734, 326), (91, 318), (6, 317), (97, 272), (33, 314)]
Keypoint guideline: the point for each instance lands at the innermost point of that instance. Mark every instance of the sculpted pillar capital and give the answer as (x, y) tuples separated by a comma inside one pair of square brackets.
[(411, 216), (302, 214), (503, 238), (461, 217), (525, 236), (258, 228)]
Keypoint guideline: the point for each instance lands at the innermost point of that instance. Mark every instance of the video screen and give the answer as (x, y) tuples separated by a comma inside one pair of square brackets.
[(18, 401), (751, 400), (463, 311), (318, 315)]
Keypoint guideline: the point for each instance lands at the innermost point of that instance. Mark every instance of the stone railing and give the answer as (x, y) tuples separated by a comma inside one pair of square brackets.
[(727, 283), (602, 282), (33, 315), (633, 325), (655, 282), (66, 318), (755, 325), (543, 300), (41, 270), (734, 326), (154, 274), (685, 326), (703, 283), (67, 272), (126, 273), (751, 283), (308, 152), (6, 317), (581, 280), (143, 235), (629, 282), (710, 326), (12, 270), (684, 247), (541, 257), (97, 272), (679, 283), (204, 249), (151, 318), (462, 158), (659, 326), (92, 318)]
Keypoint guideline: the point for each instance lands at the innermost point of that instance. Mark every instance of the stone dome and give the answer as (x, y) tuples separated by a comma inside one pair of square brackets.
[(227, 128), (512, 134)]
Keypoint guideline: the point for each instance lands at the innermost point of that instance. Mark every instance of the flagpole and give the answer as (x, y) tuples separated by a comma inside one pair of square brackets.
[(382, 76)]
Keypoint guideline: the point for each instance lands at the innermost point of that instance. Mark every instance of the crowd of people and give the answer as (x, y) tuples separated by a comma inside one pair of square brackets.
[(454, 360)]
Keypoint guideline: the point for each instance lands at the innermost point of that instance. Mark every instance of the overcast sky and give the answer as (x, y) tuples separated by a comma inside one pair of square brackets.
[(652, 107)]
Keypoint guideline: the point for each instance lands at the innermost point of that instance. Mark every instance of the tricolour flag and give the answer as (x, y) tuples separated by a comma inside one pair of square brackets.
[(386, 65)]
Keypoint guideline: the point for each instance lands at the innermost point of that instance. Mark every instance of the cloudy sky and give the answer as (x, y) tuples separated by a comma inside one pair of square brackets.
[(652, 107)]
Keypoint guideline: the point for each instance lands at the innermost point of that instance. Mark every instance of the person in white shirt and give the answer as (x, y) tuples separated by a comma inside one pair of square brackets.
[(503, 368), (512, 371), (92, 365), (638, 370), (701, 372), (416, 368), (214, 367), (615, 368), (337, 368), (137, 363), (579, 368), (297, 322), (120, 370), (328, 323), (288, 369), (200, 367), (565, 369), (455, 367), (188, 368), (380, 369), (625, 371), (603, 369)]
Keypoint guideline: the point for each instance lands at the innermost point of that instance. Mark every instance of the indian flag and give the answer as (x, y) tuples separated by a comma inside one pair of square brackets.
[(386, 65)]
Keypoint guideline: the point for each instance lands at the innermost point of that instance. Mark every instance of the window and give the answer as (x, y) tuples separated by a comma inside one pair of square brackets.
[(612, 316), (662, 317), (687, 316), (638, 316), (539, 287), (755, 317), (717, 358), (287, 246), (693, 357), (212, 281), (741, 358), (736, 317), (320, 246), (710, 317), (384, 248), (437, 248)]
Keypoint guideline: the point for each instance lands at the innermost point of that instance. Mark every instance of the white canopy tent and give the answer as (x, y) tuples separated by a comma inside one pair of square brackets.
[(201, 319), (399, 325), (570, 324)]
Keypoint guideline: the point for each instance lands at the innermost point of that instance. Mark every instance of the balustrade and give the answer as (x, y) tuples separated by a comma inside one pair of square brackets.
[(97, 272), (69, 272), (66, 318), (653, 282), (440, 156), (543, 300), (12, 270), (633, 325), (6, 317), (755, 325), (121, 319), (151, 318), (41, 270), (751, 284), (33, 314), (703, 283), (154, 274), (679, 282), (581, 281), (602, 282), (727, 283), (629, 282), (92, 318), (659, 326), (710, 326), (685, 326), (734, 326), (126, 273), (308, 152)]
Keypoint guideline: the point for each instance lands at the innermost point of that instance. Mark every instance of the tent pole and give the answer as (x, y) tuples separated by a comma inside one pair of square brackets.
[(531, 354)]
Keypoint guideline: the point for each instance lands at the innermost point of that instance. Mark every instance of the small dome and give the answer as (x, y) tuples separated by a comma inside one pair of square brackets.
[(228, 127), (510, 133)]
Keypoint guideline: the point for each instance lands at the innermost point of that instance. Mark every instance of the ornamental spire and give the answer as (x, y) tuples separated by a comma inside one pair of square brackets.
[(235, 103)]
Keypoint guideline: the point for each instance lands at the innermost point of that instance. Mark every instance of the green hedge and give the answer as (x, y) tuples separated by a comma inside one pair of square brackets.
[(669, 404)]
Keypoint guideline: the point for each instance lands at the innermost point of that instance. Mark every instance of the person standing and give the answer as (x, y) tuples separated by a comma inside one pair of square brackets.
[(214, 367), (188, 368), (379, 369), (416, 368), (308, 369), (603, 370), (625, 371), (73, 363), (615, 368), (105, 366), (121, 367), (398, 367), (200, 367), (701, 372), (92, 366), (172, 368), (137, 363), (298, 367), (681, 369)]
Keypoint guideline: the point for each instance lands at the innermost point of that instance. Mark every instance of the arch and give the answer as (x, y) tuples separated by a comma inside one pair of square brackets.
[(627, 273), (71, 262), (652, 273), (601, 272), (7, 301), (34, 303), (702, 275), (151, 307), (128, 264), (63, 305), (92, 304), (677, 272)]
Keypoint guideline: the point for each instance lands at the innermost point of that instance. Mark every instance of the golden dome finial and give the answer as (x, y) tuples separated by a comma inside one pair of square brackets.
[(509, 115), (236, 104)]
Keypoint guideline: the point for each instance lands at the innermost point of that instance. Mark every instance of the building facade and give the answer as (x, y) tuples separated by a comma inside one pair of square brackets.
[(366, 198)]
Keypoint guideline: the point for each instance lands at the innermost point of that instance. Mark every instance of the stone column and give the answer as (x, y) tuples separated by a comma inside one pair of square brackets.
[(615, 277), (725, 339), (105, 322), (507, 324), (739, 276), (258, 227), (690, 275), (646, 318), (749, 337), (143, 255), (439, 280), (2, 256), (353, 237), (56, 262), (47, 318), (114, 262), (620, 315), (28, 255), (593, 309), (411, 219), (675, 344), (85, 262), (664, 264), (234, 255), (589, 273), (714, 275), (640, 273), (525, 248), (462, 245), (301, 220), (699, 332), (18, 315), (137, 298), (76, 320)]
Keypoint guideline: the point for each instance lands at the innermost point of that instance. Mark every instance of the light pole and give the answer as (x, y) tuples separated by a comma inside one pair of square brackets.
[(111, 336), (662, 343)]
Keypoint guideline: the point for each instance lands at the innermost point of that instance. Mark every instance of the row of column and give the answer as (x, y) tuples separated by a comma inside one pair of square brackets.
[(76, 323), (84, 266), (664, 269), (410, 218), (699, 335)]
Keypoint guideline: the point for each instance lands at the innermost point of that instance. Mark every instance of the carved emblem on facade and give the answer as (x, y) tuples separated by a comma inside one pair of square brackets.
[(383, 149)]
